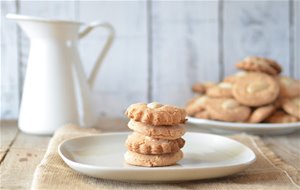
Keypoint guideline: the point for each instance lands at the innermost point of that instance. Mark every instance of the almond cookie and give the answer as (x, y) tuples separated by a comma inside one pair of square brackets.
[(148, 145), (261, 113), (292, 106), (196, 105), (158, 132), (281, 117), (137, 159), (198, 88), (222, 90), (208, 85), (227, 109), (235, 77), (289, 87), (259, 64), (202, 115), (256, 89), (156, 114)]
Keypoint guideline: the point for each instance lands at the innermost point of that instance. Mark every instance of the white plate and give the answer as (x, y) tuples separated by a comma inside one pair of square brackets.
[(205, 156), (254, 128)]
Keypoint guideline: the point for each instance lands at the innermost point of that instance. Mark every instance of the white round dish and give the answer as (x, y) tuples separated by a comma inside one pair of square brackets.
[(205, 156), (254, 128)]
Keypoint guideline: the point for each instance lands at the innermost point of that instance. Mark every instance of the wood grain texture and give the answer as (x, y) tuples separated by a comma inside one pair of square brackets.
[(260, 28), (287, 147), (8, 133), (21, 160), (9, 80), (122, 79), (296, 38), (16, 171), (185, 48)]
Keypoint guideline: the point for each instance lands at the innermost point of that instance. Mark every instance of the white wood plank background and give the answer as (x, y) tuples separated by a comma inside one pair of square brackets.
[(296, 38), (9, 71), (185, 48), (260, 28), (123, 76), (161, 48)]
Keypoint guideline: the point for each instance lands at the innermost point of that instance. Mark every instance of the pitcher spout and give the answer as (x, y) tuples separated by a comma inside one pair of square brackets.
[(36, 27)]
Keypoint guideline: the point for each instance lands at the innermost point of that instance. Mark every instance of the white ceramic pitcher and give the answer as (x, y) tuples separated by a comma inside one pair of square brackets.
[(56, 90)]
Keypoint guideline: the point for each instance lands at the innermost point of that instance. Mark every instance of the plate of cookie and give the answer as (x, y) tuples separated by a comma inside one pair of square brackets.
[(158, 150), (256, 99), (102, 156)]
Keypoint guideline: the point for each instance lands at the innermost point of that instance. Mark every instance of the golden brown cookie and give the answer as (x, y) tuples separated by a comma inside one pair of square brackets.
[(281, 117), (259, 64), (156, 114), (222, 90), (289, 87), (202, 115), (196, 105), (159, 132), (261, 113), (198, 88), (256, 89), (208, 85), (147, 145), (227, 109), (235, 77), (292, 106), (137, 159)]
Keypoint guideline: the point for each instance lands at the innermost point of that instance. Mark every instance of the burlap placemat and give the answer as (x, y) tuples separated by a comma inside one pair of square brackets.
[(268, 172)]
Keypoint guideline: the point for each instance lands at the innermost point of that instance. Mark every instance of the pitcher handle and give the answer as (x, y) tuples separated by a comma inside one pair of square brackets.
[(106, 47)]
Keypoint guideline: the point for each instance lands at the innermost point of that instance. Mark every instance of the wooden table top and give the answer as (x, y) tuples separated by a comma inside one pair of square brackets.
[(20, 153)]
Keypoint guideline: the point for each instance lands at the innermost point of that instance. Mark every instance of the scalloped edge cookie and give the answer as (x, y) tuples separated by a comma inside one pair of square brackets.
[(156, 114), (147, 145), (158, 132), (137, 159)]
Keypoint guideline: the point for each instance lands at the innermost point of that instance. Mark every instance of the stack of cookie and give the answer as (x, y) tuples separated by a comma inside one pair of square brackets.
[(256, 94), (156, 140)]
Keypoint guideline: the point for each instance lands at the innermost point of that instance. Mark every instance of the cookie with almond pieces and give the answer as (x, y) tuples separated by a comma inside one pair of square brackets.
[(222, 90), (261, 113), (256, 89), (289, 87), (227, 109), (281, 117), (196, 105), (260, 64), (292, 106)]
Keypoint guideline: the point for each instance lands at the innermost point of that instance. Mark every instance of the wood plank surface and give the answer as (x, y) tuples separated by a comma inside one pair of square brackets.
[(286, 147), (21, 160), (9, 79), (260, 28), (8, 133), (122, 79), (296, 38), (16, 171), (185, 48)]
